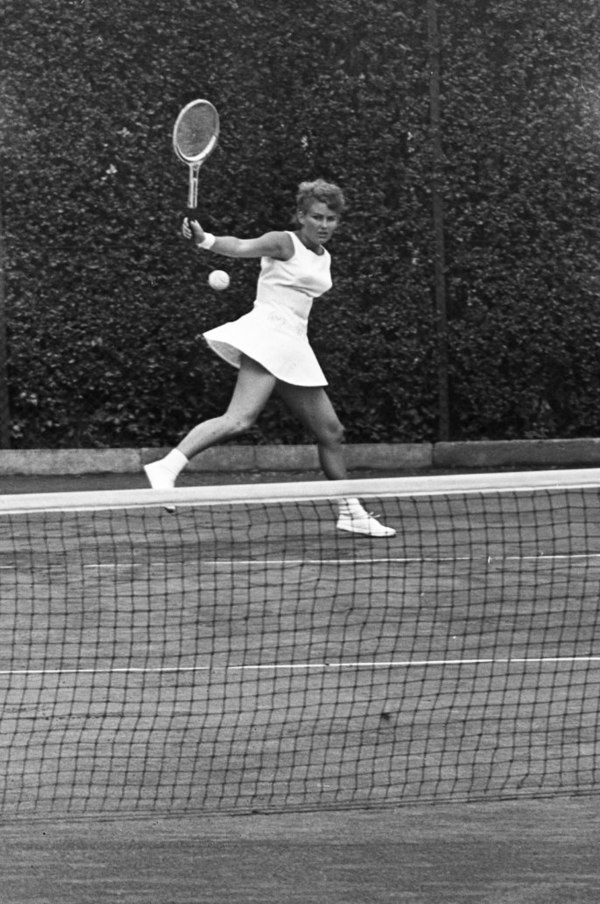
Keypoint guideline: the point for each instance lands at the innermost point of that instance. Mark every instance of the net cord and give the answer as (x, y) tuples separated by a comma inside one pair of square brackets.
[(305, 491)]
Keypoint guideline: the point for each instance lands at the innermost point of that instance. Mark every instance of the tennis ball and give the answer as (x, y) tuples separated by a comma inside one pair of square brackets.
[(218, 280)]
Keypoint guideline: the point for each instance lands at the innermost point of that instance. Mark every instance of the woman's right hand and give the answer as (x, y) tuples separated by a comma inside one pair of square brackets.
[(192, 229)]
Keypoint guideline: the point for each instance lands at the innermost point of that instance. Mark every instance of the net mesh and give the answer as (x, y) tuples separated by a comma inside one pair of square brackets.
[(196, 131), (243, 655)]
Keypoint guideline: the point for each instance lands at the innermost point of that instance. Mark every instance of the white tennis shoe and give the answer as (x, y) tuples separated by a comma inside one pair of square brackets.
[(161, 478), (363, 523)]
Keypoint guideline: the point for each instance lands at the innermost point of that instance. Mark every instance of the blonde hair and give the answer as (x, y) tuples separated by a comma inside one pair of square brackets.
[(319, 190)]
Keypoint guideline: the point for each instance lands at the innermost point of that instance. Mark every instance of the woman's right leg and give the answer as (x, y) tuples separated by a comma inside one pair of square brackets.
[(253, 388), (252, 391)]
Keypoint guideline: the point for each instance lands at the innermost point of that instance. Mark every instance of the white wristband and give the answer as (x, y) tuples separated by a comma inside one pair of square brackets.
[(208, 241)]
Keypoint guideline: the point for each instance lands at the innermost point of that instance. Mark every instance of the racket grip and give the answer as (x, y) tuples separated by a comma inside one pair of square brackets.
[(191, 214)]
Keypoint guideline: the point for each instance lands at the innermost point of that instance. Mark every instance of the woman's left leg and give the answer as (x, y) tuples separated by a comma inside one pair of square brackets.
[(313, 408)]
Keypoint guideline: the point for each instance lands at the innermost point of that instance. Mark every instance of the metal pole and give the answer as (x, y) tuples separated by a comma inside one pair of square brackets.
[(4, 394), (438, 223)]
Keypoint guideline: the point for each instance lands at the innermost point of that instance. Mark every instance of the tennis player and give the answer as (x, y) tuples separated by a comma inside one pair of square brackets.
[(270, 348)]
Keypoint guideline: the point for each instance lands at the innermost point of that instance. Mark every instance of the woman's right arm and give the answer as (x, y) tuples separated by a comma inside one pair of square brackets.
[(278, 245)]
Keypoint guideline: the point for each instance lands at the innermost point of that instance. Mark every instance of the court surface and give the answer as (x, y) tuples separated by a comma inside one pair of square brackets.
[(525, 853), (538, 851)]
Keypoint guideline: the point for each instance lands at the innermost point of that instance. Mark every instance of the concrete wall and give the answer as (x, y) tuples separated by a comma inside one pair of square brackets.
[(398, 458)]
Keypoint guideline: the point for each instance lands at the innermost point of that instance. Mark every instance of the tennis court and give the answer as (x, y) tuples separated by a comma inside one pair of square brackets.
[(409, 720)]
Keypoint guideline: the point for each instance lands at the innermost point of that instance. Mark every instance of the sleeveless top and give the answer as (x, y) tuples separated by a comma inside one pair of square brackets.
[(294, 283)]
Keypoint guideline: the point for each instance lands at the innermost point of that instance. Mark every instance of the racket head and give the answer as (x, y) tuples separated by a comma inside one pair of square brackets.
[(196, 132)]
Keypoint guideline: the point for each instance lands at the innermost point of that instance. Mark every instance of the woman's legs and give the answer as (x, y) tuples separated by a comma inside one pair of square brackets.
[(310, 404), (252, 390)]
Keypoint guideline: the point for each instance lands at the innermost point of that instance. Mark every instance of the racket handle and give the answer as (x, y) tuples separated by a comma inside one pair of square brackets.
[(191, 214)]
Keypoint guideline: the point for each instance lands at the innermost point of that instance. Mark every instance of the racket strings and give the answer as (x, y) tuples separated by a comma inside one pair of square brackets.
[(196, 131)]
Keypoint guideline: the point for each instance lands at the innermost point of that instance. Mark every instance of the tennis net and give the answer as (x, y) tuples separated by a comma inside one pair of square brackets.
[(241, 655)]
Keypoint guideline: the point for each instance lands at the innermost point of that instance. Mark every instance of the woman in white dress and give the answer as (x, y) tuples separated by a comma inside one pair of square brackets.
[(270, 348)]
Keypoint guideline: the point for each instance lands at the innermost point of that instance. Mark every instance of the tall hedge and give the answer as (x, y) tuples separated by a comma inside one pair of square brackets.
[(521, 138), (105, 301)]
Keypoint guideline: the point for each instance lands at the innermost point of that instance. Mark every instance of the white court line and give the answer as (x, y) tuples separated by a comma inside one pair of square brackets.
[(266, 563), (307, 666)]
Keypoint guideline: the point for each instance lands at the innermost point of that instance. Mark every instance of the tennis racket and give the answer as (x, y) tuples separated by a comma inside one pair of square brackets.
[(195, 136)]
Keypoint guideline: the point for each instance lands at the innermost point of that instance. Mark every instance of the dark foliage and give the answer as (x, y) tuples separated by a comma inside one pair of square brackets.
[(105, 301)]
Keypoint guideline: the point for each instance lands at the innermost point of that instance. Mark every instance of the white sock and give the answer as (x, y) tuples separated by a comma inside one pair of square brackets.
[(351, 507), (174, 462)]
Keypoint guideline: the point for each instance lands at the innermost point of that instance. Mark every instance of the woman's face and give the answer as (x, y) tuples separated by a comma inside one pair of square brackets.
[(318, 223)]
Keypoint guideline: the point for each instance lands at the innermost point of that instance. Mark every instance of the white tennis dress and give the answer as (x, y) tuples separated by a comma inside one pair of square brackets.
[(274, 332)]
